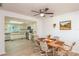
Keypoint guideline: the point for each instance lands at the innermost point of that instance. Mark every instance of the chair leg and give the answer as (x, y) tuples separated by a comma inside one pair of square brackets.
[(53, 50), (46, 53)]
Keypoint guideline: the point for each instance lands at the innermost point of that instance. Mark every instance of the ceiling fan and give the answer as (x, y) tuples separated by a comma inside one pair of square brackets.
[(43, 12)]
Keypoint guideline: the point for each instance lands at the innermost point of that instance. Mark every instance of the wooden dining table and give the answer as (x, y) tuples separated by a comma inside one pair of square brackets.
[(55, 44)]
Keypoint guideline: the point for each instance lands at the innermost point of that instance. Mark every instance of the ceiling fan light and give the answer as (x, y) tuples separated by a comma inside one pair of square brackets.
[(42, 14)]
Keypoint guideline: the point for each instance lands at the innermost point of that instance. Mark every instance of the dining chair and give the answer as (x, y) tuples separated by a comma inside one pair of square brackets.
[(44, 47), (70, 48), (66, 50)]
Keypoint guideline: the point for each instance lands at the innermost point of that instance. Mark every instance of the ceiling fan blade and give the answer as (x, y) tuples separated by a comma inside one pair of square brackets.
[(49, 13), (35, 11), (41, 10), (46, 9)]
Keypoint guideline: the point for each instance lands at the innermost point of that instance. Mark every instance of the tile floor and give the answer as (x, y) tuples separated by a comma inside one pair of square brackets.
[(24, 47), (19, 48)]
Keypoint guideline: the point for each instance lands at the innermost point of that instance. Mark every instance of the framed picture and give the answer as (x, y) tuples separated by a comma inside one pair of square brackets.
[(65, 25)]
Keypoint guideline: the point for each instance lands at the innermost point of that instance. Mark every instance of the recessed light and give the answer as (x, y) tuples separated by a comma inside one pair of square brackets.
[(17, 22)]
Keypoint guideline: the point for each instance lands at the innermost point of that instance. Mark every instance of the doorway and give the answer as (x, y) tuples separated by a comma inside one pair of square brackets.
[(19, 36)]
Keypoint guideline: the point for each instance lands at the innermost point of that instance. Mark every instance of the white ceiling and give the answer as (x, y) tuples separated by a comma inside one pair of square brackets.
[(25, 8)]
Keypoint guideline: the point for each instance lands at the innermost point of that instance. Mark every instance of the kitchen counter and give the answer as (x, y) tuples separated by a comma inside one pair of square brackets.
[(12, 36)]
